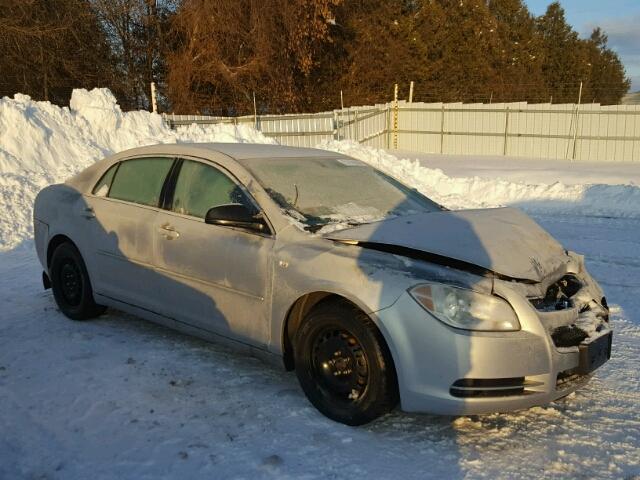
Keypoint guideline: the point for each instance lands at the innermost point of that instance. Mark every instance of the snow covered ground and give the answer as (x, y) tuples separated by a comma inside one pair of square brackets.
[(121, 398), (527, 170)]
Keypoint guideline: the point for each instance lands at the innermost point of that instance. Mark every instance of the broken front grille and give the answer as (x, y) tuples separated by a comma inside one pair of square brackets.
[(568, 336), (569, 312), (558, 295)]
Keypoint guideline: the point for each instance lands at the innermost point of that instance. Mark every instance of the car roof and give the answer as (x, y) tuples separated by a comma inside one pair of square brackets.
[(253, 150), (239, 151), (86, 179)]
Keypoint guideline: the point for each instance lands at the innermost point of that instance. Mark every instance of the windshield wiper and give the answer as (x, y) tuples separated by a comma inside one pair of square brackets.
[(315, 227), (319, 226), (295, 201)]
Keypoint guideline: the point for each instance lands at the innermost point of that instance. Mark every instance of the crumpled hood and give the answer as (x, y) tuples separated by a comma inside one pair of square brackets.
[(503, 240)]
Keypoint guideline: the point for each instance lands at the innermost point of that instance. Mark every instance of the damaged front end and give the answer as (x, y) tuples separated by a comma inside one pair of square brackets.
[(563, 333), (572, 300), (575, 314)]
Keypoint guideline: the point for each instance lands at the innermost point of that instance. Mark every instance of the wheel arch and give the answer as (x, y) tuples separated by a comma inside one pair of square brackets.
[(299, 310), (54, 243)]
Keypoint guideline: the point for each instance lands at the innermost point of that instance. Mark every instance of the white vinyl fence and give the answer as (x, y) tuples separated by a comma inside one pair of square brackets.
[(588, 132)]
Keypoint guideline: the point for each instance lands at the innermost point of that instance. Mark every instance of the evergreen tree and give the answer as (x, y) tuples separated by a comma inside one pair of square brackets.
[(464, 40), (377, 45), (518, 62), (564, 62), (607, 83)]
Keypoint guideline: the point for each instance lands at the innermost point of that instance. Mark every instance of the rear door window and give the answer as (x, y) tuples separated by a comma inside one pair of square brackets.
[(140, 180), (200, 187)]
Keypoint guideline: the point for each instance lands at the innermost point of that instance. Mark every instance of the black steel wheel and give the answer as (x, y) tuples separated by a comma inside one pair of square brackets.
[(343, 364), (70, 280), (71, 285), (339, 364)]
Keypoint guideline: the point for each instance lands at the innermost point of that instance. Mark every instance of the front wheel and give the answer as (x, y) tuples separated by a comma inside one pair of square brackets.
[(71, 285), (343, 364)]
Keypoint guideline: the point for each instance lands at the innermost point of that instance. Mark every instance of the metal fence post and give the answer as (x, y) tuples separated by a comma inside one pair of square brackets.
[(395, 116), (442, 129), (388, 125), (351, 124), (575, 134), (356, 126), (255, 112), (506, 131)]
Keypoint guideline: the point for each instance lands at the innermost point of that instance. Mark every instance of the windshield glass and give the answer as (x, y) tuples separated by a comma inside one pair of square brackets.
[(334, 193)]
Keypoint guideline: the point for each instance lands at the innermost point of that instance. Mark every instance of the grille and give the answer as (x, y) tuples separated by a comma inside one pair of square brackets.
[(568, 336), (558, 295)]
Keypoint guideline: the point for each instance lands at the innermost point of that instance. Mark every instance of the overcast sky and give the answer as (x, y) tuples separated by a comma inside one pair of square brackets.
[(620, 19)]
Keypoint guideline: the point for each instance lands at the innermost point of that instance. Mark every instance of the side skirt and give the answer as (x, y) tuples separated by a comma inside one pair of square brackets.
[(266, 356)]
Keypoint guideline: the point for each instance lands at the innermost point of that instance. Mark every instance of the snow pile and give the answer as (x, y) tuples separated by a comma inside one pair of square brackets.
[(41, 143), (55, 142), (478, 192)]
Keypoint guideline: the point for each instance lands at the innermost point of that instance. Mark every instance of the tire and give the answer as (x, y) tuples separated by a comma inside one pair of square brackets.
[(71, 285), (344, 365)]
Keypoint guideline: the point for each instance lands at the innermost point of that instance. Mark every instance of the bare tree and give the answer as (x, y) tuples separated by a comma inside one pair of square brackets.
[(50, 47), (135, 31), (224, 50)]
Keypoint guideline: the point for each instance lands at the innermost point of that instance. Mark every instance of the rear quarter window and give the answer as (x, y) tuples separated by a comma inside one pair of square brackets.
[(104, 184)]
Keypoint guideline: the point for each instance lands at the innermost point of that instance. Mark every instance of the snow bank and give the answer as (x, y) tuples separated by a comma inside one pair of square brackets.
[(478, 192), (41, 143)]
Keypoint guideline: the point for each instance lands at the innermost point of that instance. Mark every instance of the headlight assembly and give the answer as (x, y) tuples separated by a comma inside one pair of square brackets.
[(466, 309)]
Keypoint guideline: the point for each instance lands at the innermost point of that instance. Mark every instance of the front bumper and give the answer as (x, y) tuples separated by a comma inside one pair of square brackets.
[(444, 370)]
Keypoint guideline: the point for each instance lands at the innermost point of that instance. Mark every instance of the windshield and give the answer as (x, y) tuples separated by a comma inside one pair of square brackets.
[(334, 193)]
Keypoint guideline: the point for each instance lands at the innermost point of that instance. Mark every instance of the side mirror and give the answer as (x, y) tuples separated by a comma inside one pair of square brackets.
[(235, 215)]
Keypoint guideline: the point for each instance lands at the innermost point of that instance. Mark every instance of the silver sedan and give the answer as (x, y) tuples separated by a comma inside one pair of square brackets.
[(374, 294)]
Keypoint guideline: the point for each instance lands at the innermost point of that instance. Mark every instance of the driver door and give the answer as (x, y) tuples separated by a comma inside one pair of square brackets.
[(217, 278)]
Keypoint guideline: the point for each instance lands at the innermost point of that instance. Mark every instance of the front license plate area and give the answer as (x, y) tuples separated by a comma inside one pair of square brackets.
[(594, 354)]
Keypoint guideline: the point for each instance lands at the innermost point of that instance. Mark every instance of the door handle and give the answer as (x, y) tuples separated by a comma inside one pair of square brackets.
[(168, 231), (88, 213)]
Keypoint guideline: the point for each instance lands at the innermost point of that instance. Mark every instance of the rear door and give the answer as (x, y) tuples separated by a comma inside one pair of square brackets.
[(215, 277), (121, 214)]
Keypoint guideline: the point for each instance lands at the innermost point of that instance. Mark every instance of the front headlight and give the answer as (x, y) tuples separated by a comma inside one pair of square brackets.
[(465, 309)]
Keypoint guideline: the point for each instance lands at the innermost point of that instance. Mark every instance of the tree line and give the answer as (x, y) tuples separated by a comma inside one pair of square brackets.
[(214, 56)]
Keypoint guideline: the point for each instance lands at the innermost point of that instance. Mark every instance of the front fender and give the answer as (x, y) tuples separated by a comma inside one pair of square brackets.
[(370, 279)]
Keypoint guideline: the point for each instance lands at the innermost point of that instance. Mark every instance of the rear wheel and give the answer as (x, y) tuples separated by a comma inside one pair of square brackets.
[(343, 364), (71, 285)]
